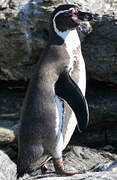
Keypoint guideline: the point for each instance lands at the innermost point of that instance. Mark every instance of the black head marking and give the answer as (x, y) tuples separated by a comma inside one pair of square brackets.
[(68, 16), (62, 8), (62, 17)]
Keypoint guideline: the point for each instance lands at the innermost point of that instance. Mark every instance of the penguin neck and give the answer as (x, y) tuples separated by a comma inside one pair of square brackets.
[(69, 37), (71, 43)]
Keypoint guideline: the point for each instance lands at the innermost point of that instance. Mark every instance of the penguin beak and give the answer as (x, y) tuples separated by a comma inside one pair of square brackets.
[(83, 16)]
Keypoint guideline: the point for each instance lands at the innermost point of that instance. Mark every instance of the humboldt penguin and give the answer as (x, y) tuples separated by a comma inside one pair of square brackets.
[(55, 100)]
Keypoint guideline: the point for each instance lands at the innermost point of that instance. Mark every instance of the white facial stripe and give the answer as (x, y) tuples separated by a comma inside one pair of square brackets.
[(61, 12), (59, 33)]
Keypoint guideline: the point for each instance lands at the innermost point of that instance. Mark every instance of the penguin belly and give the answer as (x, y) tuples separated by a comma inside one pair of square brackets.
[(69, 125), (77, 73), (67, 122)]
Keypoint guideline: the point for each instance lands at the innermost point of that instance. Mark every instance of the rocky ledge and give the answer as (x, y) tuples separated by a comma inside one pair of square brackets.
[(90, 163)]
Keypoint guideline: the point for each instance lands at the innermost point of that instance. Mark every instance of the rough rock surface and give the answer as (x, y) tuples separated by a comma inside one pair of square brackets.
[(100, 51), (87, 161), (87, 176), (7, 167), (102, 101), (24, 33), (10, 104), (90, 163)]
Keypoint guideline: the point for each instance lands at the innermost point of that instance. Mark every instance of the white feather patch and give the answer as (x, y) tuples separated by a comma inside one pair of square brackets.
[(57, 152), (59, 110), (70, 129)]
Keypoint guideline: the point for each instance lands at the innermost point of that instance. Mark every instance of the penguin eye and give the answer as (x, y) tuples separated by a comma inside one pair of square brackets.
[(69, 13)]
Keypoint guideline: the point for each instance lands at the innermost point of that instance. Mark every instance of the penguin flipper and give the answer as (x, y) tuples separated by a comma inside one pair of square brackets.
[(68, 90)]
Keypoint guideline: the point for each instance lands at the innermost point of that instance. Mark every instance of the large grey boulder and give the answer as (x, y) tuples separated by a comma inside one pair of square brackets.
[(100, 51), (102, 128), (7, 167), (87, 176), (24, 33)]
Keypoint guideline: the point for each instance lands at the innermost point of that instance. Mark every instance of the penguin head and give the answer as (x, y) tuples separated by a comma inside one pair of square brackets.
[(68, 17)]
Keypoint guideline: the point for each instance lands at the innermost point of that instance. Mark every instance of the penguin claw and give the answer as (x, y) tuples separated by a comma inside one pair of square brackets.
[(67, 172), (45, 169), (59, 168)]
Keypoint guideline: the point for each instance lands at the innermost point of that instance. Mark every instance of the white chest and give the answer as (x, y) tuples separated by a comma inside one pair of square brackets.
[(73, 47), (72, 42)]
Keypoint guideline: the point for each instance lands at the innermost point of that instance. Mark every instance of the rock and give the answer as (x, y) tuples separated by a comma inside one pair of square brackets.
[(100, 51), (91, 164), (104, 106), (84, 158), (87, 161), (87, 176), (102, 128), (24, 33), (6, 135), (75, 157), (10, 150), (10, 104), (100, 47), (20, 38), (8, 132), (4, 4), (7, 167)]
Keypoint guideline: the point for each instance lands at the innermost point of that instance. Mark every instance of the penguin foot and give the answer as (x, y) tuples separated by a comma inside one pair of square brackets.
[(45, 169), (59, 167)]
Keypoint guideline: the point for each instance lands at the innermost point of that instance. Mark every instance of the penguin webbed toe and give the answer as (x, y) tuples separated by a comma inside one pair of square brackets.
[(59, 168)]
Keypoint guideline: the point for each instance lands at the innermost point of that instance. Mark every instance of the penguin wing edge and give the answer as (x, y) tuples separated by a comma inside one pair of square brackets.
[(68, 90)]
